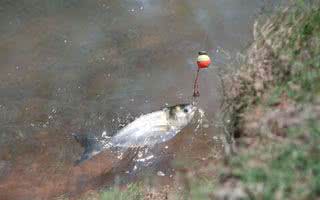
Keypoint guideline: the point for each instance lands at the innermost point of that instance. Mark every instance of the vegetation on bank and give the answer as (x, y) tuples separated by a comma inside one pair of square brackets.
[(274, 102), (133, 192), (276, 109)]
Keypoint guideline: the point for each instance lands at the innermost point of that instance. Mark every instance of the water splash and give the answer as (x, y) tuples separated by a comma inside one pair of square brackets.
[(202, 120)]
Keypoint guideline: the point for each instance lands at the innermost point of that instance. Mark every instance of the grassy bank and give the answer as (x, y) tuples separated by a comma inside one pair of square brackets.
[(275, 101)]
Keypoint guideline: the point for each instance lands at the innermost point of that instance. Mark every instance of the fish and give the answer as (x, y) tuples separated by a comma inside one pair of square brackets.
[(145, 131)]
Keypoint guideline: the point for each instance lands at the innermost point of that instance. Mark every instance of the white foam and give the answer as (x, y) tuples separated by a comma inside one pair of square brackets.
[(160, 173)]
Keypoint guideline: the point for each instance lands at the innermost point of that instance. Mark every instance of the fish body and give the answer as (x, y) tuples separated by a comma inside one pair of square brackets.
[(146, 130)]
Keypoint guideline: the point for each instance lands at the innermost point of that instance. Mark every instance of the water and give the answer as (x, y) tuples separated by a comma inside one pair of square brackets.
[(92, 66)]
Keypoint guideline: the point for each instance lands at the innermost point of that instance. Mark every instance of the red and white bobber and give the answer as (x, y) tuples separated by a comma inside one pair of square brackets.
[(203, 60)]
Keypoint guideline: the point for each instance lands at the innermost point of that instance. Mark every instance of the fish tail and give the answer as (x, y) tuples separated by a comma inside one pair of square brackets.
[(83, 158), (90, 144)]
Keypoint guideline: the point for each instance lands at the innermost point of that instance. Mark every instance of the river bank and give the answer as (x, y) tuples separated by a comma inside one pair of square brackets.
[(274, 101)]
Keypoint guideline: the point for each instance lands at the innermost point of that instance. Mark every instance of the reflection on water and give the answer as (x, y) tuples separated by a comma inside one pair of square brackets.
[(87, 66)]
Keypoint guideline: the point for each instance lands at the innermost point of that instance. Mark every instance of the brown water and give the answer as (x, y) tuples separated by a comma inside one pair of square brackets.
[(71, 66)]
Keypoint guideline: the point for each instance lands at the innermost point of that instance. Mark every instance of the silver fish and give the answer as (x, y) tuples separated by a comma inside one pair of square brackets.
[(146, 130)]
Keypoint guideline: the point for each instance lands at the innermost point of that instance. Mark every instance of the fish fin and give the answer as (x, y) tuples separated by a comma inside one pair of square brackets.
[(91, 146)]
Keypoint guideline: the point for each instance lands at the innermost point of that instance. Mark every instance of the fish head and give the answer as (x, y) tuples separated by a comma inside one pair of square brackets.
[(180, 115)]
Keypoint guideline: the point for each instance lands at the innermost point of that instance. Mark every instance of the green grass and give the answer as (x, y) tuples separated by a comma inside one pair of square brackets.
[(292, 167), (292, 172), (201, 189), (132, 192), (305, 50), (302, 84)]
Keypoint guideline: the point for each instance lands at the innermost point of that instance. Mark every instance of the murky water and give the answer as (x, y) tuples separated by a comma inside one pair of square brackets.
[(88, 66)]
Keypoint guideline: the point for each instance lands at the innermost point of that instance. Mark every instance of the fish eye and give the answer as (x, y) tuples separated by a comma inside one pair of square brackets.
[(185, 110)]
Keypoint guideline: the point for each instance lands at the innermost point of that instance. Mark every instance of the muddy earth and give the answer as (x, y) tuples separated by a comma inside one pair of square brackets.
[(76, 66)]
